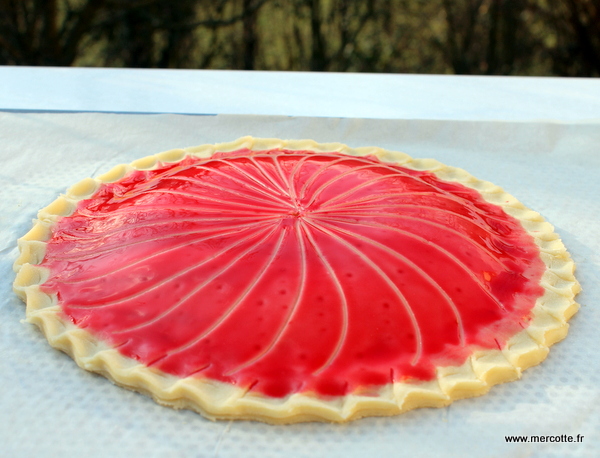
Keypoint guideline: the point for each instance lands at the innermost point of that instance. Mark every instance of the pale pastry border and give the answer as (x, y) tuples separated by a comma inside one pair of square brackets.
[(216, 400)]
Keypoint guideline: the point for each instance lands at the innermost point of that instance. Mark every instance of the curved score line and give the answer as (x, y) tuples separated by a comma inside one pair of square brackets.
[(387, 280), (172, 174), (310, 180), (268, 176), (353, 189), (340, 289), (295, 169), (266, 189), (293, 309), (197, 288), (284, 180), (262, 191), (485, 249), (167, 206), (434, 245), (478, 222), (237, 193), (338, 177), (192, 210), (178, 274), (394, 168), (235, 228), (377, 197), (232, 307), (160, 252), (425, 275), (96, 235), (210, 199)]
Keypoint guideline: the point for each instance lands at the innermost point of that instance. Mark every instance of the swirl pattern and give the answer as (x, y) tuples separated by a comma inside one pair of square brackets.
[(293, 271)]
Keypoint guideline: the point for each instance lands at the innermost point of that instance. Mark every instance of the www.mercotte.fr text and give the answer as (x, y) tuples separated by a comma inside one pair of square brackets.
[(562, 438)]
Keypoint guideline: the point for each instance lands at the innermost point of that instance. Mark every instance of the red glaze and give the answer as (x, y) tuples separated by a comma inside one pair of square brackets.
[(285, 271)]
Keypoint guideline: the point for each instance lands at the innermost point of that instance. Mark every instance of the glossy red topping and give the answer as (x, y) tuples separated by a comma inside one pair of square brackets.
[(286, 271)]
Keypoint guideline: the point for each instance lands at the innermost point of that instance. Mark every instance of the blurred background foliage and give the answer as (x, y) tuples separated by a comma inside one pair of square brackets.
[(494, 37)]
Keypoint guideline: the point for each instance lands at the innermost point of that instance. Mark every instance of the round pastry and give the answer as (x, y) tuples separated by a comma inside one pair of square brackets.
[(288, 281)]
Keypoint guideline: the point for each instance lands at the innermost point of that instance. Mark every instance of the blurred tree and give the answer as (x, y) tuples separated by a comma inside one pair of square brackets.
[(249, 11), (147, 33), (495, 37), (503, 37), (404, 37), (44, 32), (571, 32), (130, 33), (333, 35), (487, 37)]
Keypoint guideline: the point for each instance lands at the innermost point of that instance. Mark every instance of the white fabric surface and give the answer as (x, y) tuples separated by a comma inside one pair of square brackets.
[(50, 407), (348, 95)]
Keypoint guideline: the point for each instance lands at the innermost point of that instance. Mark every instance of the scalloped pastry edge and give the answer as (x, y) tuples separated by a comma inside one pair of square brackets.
[(217, 400)]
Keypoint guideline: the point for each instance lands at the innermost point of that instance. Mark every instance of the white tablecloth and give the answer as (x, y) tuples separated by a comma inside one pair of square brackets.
[(50, 407)]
